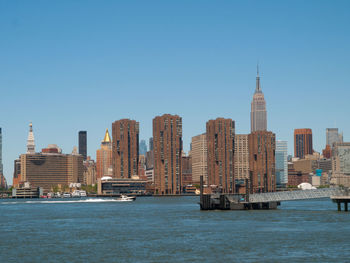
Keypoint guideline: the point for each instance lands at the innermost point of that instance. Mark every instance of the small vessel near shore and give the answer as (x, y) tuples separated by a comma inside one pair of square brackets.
[(125, 198)]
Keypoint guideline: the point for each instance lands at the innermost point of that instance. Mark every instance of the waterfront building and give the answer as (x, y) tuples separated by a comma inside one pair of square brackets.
[(83, 144), (341, 158), (241, 162), (51, 168), (117, 186), (125, 148), (167, 142), (30, 140), (281, 162), (302, 142), (199, 153), (142, 147), (104, 157), (220, 143), (262, 146), (258, 114), (333, 136), (186, 167)]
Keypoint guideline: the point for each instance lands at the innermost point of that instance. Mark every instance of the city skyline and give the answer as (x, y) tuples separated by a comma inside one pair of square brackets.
[(50, 71)]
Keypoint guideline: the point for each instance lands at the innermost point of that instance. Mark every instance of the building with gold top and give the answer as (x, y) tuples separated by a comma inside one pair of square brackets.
[(104, 157)]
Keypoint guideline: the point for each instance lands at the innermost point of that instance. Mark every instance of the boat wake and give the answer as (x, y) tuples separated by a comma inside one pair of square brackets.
[(92, 200)]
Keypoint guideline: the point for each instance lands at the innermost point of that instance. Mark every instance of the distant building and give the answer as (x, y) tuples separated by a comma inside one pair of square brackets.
[(51, 168), (89, 177), (302, 142), (199, 153), (258, 114), (281, 162), (327, 152), (220, 143), (333, 136), (151, 144), (325, 165), (125, 153), (104, 157), (167, 142), (341, 158), (30, 140), (142, 147), (186, 167), (241, 157), (17, 173), (83, 144), (262, 146)]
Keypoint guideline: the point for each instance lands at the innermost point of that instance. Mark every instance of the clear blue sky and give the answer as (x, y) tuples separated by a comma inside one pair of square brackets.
[(79, 65)]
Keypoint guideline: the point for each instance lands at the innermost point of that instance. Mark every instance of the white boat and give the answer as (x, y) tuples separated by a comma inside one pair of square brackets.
[(82, 193), (65, 195), (124, 198), (76, 193)]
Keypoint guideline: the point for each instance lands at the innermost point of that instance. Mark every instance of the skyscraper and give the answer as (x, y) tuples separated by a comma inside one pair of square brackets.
[(151, 144), (142, 147), (258, 118), (167, 142), (262, 146), (104, 157), (302, 142), (125, 149), (333, 136), (281, 162), (199, 154), (220, 143), (30, 140), (83, 144)]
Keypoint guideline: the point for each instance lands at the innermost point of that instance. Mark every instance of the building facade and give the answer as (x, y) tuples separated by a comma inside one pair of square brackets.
[(30, 140), (83, 144), (186, 167), (281, 162), (241, 157), (1, 166), (125, 149), (89, 172), (47, 170), (104, 157), (302, 142), (220, 156), (199, 153), (167, 147), (262, 146), (258, 114)]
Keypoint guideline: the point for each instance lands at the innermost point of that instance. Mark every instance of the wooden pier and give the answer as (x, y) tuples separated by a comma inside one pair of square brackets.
[(341, 199)]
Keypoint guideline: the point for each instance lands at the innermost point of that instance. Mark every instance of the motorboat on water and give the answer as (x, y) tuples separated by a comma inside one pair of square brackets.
[(125, 198)]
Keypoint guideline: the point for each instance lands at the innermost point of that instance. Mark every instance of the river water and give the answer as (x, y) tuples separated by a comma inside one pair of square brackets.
[(170, 229)]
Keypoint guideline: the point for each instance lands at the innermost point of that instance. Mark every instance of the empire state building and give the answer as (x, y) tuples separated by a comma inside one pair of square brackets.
[(258, 118)]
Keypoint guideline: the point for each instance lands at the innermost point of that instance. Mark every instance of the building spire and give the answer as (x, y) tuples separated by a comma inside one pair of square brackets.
[(257, 89), (30, 140), (107, 138)]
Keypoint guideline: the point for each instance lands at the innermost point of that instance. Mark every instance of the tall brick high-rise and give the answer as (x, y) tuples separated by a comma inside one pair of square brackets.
[(262, 146), (125, 149), (220, 144), (302, 142), (167, 143)]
